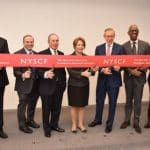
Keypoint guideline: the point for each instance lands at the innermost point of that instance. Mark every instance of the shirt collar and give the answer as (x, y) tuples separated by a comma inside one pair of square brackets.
[(136, 42), (52, 51), (27, 51), (109, 45)]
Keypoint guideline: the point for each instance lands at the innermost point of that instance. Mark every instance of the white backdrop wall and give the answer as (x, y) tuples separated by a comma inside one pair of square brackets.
[(69, 19)]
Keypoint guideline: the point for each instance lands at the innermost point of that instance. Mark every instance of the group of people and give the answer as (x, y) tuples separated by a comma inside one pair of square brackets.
[(50, 84)]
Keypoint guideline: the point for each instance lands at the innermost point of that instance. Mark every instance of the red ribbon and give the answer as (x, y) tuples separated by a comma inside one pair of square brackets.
[(59, 61)]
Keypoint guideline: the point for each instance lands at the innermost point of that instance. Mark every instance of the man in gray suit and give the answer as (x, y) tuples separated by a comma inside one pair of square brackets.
[(134, 79), (27, 89)]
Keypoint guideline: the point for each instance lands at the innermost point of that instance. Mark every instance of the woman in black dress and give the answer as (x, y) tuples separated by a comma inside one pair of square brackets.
[(78, 88)]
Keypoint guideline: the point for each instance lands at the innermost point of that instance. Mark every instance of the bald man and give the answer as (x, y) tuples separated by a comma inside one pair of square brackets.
[(134, 79)]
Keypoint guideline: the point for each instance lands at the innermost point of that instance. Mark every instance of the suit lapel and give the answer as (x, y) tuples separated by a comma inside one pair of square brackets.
[(23, 51), (129, 49), (140, 47), (113, 49), (103, 50)]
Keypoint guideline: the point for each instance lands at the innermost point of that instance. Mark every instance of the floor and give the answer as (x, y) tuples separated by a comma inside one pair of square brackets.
[(94, 139)]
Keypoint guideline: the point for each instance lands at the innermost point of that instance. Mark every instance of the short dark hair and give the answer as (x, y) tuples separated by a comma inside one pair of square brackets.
[(27, 35)]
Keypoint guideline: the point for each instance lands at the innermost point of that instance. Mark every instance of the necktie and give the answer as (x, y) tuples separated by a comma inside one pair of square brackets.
[(108, 52), (134, 47), (33, 70), (30, 52), (55, 52)]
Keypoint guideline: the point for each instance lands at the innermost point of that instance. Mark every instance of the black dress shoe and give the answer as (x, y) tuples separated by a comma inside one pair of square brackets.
[(47, 134), (137, 128), (147, 125), (58, 129), (125, 125), (26, 129), (33, 124), (108, 129), (94, 123), (3, 134)]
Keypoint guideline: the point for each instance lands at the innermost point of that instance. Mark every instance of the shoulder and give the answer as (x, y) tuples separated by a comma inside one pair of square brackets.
[(101, 46), (126, 43), (143, 42), (3, 39), (20, 51), (34, 52), (46, 51), (60, 52), (117, 45)]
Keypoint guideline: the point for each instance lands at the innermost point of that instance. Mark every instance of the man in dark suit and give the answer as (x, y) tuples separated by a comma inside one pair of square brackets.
[(147, 125), (27, 89), (3, 83), (109, 81), (52, 86), (134, 79)]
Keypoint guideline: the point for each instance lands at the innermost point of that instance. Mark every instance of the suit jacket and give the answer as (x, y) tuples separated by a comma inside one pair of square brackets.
[(47, 86), (23, 85), (149, 79), (3, 74), (143, 49), (113, 80), (75, 78)]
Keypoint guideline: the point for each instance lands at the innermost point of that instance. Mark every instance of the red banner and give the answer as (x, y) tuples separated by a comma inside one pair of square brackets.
[(22, 60)]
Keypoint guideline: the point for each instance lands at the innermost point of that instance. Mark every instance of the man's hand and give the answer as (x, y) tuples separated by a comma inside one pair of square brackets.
[(96, 68), (49, 74), (106, 71), (116, 68), (26, 74), (135, 72)]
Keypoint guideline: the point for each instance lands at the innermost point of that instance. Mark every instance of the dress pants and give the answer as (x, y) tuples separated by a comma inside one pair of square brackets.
[(51, 108), (27, 102), (34, 95), (134, 92), (100, 99), (2, 89), (21, 111)]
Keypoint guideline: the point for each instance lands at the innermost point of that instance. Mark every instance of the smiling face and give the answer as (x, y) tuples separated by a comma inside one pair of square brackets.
[(79, 45), (109, 35), (53, 41), (133, 32), (28, 42)]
